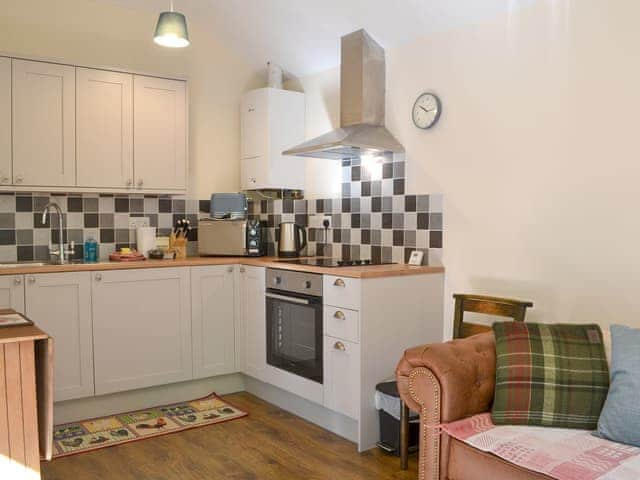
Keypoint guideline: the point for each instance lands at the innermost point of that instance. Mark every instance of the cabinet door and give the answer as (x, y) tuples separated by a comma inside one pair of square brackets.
[(60, 303), (141, 328), (254, 127), (159, 133), (104, 130), (5, 121), (342, 376), (253, 321), (12, 292), (212, 315), (44, 119)]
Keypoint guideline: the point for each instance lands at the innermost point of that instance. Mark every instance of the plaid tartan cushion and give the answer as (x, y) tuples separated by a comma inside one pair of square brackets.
[(549, 375)]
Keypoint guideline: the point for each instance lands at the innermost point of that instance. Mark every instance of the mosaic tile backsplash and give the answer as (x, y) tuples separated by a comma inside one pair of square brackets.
[(104, 217), (374, 218)]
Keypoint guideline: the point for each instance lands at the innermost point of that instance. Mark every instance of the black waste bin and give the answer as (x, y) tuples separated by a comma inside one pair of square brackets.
[(388, 404)]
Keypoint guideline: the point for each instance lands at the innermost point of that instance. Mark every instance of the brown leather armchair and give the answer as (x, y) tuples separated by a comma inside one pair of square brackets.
[(447, 382)]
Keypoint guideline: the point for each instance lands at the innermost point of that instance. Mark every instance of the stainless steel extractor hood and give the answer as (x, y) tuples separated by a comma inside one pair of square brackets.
[(362, 85)]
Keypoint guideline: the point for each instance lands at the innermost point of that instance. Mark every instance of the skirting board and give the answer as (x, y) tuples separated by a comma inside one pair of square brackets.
[(334, 422), (84, 408)]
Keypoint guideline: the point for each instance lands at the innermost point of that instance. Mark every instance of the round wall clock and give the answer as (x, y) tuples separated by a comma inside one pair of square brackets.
[(426, 110)]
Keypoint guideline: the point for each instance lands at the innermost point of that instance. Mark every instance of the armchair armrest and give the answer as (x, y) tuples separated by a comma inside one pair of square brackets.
[(445, 382)]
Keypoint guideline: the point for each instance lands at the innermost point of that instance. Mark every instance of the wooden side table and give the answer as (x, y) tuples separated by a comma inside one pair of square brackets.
[(26, 401)]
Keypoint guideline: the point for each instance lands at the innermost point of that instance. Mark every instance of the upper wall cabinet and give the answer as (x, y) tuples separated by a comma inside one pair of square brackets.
[(43, 124), (271, 120), (5, 120), (68, 128), (160, 140), (104, 131)]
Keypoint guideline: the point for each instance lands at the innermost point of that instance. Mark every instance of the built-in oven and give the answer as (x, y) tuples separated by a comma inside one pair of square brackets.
[(294, 322)]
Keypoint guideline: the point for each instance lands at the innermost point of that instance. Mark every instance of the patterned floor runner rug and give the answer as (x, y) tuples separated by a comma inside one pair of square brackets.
[(88, 435)]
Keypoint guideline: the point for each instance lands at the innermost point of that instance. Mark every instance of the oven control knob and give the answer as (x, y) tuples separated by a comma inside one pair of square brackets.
[(277, 280), (252, 232), (307, 284)]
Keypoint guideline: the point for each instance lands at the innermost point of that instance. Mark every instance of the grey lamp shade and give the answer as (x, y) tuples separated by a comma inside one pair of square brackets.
[(171, 30)]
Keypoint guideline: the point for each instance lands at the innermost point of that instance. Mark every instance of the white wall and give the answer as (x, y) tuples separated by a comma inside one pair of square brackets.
[(98, 33), (322, 104), (537, 154)]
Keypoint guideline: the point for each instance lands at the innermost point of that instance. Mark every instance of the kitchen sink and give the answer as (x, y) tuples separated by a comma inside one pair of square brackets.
[(24, 264)]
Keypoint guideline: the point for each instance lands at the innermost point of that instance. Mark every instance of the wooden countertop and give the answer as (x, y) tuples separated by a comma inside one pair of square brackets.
[(370, 271)]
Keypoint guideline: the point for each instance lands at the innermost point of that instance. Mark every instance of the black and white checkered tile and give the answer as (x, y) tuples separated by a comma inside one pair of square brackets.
[(103, 217), (374, 219)]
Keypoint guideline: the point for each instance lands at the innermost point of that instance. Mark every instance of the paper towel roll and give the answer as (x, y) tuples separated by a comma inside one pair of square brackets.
[(146, 239)]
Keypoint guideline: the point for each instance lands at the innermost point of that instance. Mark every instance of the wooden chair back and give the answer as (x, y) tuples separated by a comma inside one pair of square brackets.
[(502, 307)]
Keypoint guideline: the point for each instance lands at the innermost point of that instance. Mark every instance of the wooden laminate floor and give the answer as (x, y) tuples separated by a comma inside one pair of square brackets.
[(268, 444)]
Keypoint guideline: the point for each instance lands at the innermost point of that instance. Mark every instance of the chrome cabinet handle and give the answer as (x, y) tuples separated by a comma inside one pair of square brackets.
[(129, 182), (4, 179), (251, 109), (19, 178), (339, 283), (31, 279), (140, 183), (339, 315), (17, 281), (229, 269), (98, 277), (242, 269), (339, 346)]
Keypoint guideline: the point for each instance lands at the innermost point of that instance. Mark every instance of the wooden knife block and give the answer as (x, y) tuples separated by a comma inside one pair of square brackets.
[(178, 245)]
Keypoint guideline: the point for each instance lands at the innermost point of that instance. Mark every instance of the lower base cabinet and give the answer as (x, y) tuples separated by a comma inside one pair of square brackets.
[(141, 328), (342, 376), (12, 292), (60, 304), (252, 342), (212, 320)]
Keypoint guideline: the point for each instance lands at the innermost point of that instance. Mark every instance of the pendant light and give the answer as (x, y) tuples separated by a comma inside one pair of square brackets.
[(171, 30)]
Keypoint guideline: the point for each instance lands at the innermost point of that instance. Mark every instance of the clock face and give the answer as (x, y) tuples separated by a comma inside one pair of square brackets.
[(426, 110)]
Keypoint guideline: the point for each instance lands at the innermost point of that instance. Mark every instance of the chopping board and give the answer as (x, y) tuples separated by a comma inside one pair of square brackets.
[(132, 256)]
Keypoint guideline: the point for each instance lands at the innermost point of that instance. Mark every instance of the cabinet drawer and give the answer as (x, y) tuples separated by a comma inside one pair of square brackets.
[(342, 376), (342, 323), (341, 292)]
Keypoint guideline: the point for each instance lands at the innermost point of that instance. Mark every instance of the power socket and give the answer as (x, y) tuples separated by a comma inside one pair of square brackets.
[(135, 222)]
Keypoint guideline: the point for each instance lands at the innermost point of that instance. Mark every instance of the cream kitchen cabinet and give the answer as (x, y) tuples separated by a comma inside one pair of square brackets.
[(271, 120), (5, 121), (160, 133), (60, 304), (104, 128), (213, 320), (43, 124), (342, 376), (12, 292), (251, 343), (141, 328)]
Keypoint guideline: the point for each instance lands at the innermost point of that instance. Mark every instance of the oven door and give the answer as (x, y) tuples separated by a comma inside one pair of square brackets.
[(294, 333)]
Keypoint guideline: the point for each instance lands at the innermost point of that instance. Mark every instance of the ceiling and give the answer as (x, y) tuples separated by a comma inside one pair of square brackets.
[(303, 36)]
